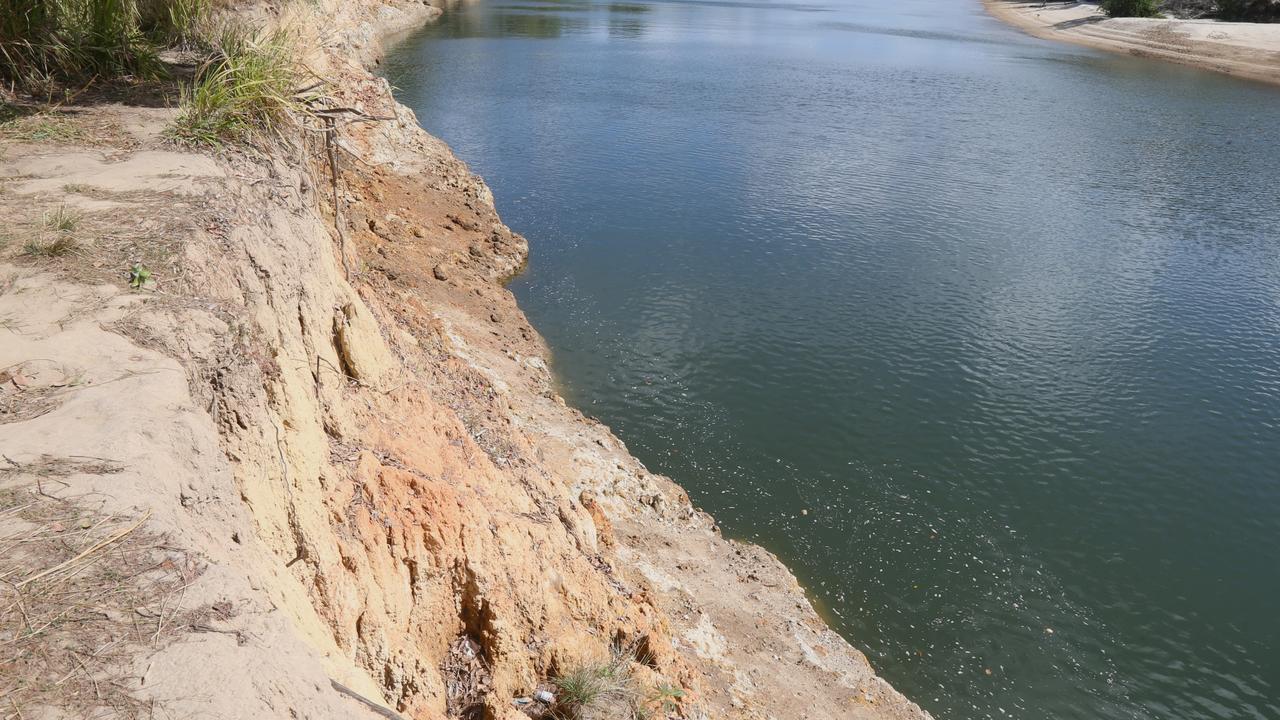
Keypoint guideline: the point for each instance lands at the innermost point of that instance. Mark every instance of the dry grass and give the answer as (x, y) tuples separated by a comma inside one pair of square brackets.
[(81, 593), (467, 679), (22, 404), (19, 399), (53, 236), (58, 246), (31, 121), (41, 126), (146, 228), (62, 219)]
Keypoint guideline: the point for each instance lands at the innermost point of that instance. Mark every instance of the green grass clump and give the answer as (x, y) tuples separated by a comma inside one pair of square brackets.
[(44, 42), (245, 89)]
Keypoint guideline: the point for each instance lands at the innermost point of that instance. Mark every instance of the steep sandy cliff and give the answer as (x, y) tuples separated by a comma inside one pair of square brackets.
[(323, 446)]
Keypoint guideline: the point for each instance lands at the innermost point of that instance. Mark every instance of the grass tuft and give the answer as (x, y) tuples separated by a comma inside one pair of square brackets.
[(63, 219), (606, 689), (245, 89), (60, 246)]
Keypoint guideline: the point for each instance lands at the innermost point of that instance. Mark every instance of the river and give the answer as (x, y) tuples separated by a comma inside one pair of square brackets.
[(980, 333)]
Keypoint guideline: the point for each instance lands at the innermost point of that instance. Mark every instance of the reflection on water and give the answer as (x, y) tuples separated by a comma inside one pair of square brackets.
[(978, 332), (545, 20)]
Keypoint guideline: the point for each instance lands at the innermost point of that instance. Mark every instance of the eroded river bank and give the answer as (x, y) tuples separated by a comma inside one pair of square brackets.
[(974, 330)]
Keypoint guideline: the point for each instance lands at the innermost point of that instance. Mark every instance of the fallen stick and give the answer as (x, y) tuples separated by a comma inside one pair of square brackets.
[(384, 712)]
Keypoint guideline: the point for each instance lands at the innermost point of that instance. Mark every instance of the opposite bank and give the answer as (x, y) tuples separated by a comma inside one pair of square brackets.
[(317, 466), (1247, 50)]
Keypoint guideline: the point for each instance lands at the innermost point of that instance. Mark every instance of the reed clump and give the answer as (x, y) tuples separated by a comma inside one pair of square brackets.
[(46, 42)]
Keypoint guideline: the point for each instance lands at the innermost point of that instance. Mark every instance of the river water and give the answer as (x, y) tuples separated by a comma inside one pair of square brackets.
[(979, 333)]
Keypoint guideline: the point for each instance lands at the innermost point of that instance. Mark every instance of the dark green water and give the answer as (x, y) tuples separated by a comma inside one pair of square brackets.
[(980, 333)]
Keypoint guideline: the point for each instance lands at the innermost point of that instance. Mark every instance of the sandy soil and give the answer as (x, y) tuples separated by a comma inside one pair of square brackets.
[(332, 441), (1248, 50)]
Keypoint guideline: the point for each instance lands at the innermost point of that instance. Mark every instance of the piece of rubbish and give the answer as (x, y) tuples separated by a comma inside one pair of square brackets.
[(521, 701), (545, 697)]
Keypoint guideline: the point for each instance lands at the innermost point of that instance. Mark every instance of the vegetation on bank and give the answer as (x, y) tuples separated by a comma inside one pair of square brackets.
[(1249, 10), (47, 43), (247, 85), (611, 689), (1130, 8), (244, 84), (1234, 10)]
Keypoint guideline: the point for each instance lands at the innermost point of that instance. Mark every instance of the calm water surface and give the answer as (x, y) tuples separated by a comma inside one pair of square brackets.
[(980, 333)]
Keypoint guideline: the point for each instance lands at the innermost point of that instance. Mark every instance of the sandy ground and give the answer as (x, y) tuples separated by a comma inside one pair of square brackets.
[(1248, 50)]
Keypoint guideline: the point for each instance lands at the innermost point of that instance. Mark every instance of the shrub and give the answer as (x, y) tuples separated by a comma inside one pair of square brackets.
[(1189, 9), (1252, 10), (1130, 8), (246, 88), (46, 41)]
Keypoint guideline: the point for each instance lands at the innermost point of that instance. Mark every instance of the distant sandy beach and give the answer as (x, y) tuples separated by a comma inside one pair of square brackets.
[(1250, 50)]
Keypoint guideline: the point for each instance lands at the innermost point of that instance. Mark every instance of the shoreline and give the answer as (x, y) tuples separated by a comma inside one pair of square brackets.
[(824, 651), (1244, 50)]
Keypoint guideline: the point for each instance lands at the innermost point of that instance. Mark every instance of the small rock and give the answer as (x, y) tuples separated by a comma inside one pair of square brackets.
[(439, 273)]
